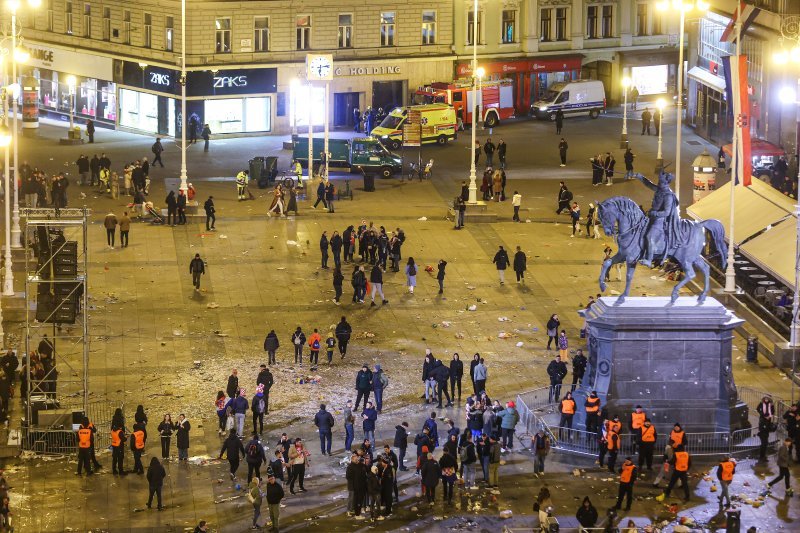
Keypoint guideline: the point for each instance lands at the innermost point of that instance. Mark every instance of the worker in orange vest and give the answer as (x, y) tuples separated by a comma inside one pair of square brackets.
[(118, 438), (92, 456), (567, 408), (627, 476), (138, 441), (609, 443), (636, 423), (725, 472), (647, 441), (681, 464), (677, 437), (592, 406), (84, 448)]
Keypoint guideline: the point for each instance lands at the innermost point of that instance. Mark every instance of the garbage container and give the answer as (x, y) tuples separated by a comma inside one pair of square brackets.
[(752, 349), (733, 521), (369, 181), (256, 168), (270, 169)]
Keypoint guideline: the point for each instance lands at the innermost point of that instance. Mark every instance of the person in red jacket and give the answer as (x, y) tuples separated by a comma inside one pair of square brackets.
[(315, 342)]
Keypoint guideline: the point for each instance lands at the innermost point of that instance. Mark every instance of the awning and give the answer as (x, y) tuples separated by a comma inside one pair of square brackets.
[(705, 77), (759, 148), (757, 207), (774, 251)]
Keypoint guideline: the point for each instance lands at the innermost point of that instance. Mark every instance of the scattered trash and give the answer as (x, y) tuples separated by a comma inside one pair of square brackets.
[(503, 319), (520, 344), (446, 324), (506, 513), (178, 333), (422, 219), (212, 305), (223, 236), (308, 380), (472, 307), (365, 335), (505, 335)]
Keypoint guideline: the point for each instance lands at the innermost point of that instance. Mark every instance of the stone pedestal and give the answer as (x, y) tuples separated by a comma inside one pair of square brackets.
[(672, 359)]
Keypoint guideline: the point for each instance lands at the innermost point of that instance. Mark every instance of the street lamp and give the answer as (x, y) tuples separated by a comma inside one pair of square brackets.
[(481, 72), (5, 140), (184, 180), (682, 7), (660, 104), (473, 187), (623, 141), (71, 81)]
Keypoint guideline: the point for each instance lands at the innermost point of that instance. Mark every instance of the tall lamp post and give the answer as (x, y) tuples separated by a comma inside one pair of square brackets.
[(71, 85), (5, 140), (184, 179), (682, 7), (660, 104), (473, 187), (623, 140)]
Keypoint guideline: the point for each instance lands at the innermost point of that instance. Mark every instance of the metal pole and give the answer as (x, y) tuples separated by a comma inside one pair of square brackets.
[(85, 296), (625, 115), (794, 338), (730, 270), (659, 157), (184, 179), (679, 112), (327, 110), (8, 282), (310, 172), (16, 233), (71, 108), (473, 187)]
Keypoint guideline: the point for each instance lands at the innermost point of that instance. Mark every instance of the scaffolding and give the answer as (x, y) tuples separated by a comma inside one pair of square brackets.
[(56, 367)]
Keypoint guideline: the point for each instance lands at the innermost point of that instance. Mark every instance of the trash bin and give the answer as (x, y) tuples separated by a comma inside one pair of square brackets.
[(270, 169), (733, 521), (256, 168), (369, 180), (752, 349)]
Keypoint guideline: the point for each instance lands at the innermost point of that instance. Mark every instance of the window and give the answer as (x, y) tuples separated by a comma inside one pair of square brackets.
[(303, 32), (87, 20), (545, 33), (261, 34), (641, 19), (429, 27), (658, 18), (509, 25), (106, 23), (50, 14), (147, 38), (126, 27), (345, 31), (591, 22), (387, 28), (223, 35), (68, 18), (608, 22), (471, 27), (561, 23), (169, 34)]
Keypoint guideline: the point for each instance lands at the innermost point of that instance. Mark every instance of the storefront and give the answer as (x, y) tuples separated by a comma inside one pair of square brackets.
[(707, 103), (653, 73), (532, 77), (147, 99), (95, 94)]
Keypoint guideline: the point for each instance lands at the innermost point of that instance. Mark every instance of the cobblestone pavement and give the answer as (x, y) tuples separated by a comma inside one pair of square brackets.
[(149, 327)]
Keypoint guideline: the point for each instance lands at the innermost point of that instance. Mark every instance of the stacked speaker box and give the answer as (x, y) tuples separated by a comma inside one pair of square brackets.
[(59, 301)]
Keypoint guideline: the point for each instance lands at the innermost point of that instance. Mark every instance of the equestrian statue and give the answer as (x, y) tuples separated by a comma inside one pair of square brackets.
[(654, 237)]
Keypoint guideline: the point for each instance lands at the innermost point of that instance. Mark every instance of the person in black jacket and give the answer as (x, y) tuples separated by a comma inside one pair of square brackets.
[(356, 474), (578, 368), (274, 493), (298, 341), (233, 447), (440, 274), (338, 279), (557, 370), (94, 167), (441, 374), (233, 384), (587, 514), (211, 217), (456, 373), (197, 268), (376, 279), (323, 248), (155, 480), (430, 472), (363, 385), (343, 332), (336, 249), (324, 422), (401, 443), (254, 453), (265, 378), (165, 429), (520, 265), (271, 345), (501, 261), (181, 206)]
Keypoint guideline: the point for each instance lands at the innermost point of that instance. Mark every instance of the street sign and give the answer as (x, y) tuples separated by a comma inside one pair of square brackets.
[(412, 129)]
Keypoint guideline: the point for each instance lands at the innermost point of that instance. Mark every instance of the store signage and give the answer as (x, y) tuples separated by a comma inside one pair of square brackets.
[(230, 81), (366, 70), (159, 78), (69, 62)]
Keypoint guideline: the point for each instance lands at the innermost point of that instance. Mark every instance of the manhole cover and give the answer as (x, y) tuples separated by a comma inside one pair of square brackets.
[(693, 143)]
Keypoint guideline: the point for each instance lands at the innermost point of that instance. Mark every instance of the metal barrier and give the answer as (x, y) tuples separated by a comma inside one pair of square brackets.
[(62, 440)]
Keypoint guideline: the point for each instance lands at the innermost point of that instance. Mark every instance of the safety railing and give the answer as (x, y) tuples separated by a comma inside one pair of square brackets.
[(62, 440)]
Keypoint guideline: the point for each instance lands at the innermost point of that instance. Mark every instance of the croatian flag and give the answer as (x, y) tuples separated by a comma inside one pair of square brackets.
[(749, 15), (735, 68)]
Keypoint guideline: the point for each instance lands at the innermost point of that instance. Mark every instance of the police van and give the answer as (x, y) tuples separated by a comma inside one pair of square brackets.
[(572, 98), (437, 125)]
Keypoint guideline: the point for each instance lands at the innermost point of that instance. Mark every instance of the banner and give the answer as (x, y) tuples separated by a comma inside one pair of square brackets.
[(735, 69)]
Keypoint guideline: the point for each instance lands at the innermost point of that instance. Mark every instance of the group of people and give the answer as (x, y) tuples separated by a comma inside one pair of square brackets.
[(40, 190), (365, 122)]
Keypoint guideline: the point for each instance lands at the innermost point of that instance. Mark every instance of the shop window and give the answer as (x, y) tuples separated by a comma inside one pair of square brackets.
[(139, 111), (345, 31), (641, 19), (169, 34), (106, 23), (562, 15), (261, 34), (471, 27), (87, 20), (591, 22), (68, 18), (50, 14), (223, 36), (303, 32), (306, 102), (545, 26), (387, 28), (429, 27), (607, 22), (238, 115), (126, 26), (509, 26), (147, 40)]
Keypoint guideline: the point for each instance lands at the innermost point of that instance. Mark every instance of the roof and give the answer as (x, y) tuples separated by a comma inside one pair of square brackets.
[(759, 148)]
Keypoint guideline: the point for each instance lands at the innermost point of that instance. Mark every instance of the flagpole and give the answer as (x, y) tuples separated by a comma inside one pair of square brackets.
[(736, 166)]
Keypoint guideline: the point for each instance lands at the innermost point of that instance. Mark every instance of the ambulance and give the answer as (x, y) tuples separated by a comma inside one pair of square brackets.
[(437, 125)]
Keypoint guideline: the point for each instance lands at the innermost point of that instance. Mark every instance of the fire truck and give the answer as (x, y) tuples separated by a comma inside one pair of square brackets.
[(496, 100)]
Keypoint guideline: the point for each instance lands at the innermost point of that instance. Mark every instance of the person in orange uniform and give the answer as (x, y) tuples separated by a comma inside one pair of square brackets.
[(636, 423), (627, 477), (725, 472), (567, 408), (647, 442), (315, 342), (138, 441), (677, 437), (92, 456), (681, 464), (609, 444), (118, 451), (592, 406), (84, 448)]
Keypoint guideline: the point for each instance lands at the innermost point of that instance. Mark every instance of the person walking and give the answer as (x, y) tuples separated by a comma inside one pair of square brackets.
[(256, 497), (501, 153), (646, 116), (239, 406), (411, 275), (165, 429), (182, 428), (197, 268), (627, 477), (559, 121), (211, 217), (681, 463), (255, 456), (540, 444), (556, 370), (155, 481), (124, 229), (782, 458), (206, 135), (564, 198), (274, 493), (592, 224), (110, 223), (320, 195), (376, 280), (298, 340), (324, 422), (725, 471), (343, 331), (338, 280), (516, 203), (562, 151), (232, 446), (501, 261), (330, 194), (520, 265), (575, 216), (264, 383), (157, 149)]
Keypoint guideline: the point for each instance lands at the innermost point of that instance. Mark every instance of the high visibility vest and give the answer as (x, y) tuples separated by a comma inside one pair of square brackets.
[(241, 178), (592, 405), (84, 438), (648, 433), (138, 439), (681, 461), (568, 407), (727, 470), (637, 420), (116, 437), (676, 437), (612, 441), (616, 427), (627, 472)]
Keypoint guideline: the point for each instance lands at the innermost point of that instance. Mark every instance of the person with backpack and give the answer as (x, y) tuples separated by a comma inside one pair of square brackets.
[(330, 344), (315, 343), (379, 382), (468, 457), (411, 275), (233, 447), (298, 340), (324, 422), (254, 454), (157, 149)]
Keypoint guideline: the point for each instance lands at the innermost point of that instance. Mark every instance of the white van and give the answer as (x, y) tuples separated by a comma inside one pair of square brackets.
[(571, 97)]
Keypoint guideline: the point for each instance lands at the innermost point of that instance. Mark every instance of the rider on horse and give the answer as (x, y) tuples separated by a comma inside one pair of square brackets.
[(664, 215)]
